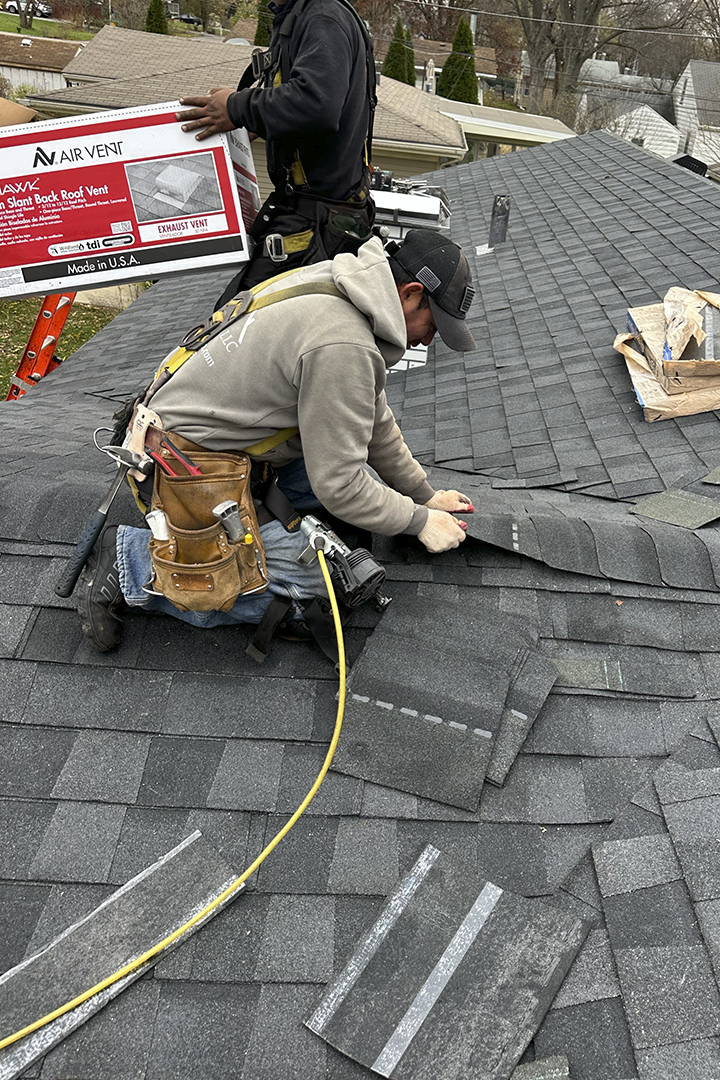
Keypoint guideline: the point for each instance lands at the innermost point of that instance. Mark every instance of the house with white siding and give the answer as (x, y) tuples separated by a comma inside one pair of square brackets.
[(36, 61), (697, 110), (645, 127)]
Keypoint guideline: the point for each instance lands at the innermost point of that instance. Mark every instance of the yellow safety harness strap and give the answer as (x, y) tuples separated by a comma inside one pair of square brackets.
[(322, 288), (261, 299), (259, 448)]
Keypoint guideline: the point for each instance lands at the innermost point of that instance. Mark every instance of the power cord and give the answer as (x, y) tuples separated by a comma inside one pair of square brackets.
[(236, 885)]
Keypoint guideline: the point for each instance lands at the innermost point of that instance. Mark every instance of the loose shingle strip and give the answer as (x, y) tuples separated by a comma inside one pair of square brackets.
[(691, 808), (135, 918), (679, 508), (425, 995)]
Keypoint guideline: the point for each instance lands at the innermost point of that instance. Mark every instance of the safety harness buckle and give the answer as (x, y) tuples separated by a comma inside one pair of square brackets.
[(198, 336), (261, 62)]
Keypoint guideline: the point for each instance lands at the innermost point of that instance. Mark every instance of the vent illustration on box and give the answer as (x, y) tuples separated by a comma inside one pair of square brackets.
[(176, 186)]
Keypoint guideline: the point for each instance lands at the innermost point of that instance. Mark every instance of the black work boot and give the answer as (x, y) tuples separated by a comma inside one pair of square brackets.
[(99, 595)]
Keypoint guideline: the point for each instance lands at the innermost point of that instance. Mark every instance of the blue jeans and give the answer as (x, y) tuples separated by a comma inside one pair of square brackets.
[(286, 576)]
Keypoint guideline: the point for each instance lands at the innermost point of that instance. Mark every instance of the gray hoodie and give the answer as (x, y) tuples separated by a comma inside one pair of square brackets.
[(320, 364)]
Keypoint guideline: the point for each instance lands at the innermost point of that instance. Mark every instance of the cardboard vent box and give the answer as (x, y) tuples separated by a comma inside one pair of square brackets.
[(696, 369)]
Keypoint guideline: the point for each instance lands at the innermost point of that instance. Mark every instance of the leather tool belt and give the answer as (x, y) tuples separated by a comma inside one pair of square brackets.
[(199, 568)]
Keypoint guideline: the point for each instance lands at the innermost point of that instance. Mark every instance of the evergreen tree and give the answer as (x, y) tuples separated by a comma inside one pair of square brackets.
[(395, 64), (409, 58), (156, 22), (264, 25), (458, 80)]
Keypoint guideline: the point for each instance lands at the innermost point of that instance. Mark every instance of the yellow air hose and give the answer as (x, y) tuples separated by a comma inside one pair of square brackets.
[(235, 885)]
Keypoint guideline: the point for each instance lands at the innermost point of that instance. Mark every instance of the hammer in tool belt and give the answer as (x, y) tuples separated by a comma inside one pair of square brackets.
[(126, 459)]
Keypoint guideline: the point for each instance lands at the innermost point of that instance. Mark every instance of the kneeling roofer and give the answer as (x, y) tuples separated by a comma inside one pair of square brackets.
[(277, 411)]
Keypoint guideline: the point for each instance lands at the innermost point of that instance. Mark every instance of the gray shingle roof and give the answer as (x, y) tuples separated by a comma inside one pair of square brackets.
[(116, 53), (109, 761), (37, 53)]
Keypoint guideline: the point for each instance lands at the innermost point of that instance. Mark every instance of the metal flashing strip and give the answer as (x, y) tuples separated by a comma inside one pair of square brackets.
[(112, 899), (437, 980), (371, 942), (138, 915)]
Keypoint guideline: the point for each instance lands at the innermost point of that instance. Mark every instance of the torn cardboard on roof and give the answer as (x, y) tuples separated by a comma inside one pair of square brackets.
[(683, 320), (648, 328), (679, 338), (655, 403)]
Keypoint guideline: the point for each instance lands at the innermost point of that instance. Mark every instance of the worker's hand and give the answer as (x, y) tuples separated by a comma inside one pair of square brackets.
[(442, 531), (210, 115), (454, 501)]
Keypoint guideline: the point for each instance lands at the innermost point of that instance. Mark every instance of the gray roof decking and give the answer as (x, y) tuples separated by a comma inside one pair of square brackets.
[(109, 761)]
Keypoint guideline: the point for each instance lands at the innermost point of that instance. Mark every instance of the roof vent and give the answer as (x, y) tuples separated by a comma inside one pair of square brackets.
[(26, 42), (499, 220), (691, 163)]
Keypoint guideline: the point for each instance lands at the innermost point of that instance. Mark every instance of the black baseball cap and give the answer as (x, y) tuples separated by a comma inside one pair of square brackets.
[(440, 265)]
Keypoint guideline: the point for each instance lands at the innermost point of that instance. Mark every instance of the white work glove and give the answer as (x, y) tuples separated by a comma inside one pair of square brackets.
[(452, 501), (442, 531)]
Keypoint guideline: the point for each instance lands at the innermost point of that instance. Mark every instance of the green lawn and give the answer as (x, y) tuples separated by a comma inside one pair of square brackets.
[(493, 102), (17, 318), (10, 24)]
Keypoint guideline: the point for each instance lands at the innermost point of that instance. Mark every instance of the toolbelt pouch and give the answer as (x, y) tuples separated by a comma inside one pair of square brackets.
[(341, 230), (199, 568)]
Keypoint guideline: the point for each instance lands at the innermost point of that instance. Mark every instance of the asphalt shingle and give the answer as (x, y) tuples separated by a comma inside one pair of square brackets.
[(110, 761)]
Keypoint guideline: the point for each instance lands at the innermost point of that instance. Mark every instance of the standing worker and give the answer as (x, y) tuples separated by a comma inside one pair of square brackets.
[(295, 382), (314, 107)]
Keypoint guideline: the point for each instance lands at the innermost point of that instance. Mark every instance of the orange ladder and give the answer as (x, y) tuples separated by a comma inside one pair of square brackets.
[(39, 355)]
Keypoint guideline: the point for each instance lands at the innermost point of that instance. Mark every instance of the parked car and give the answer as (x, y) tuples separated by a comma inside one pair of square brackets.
[(191, 20), (41, 9)]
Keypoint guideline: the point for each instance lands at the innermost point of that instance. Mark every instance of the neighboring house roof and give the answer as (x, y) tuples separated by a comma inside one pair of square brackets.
[(599, 70), (503, 125), (641, 117), (108, 761), (38, 53), (612, 100), (408, 115), (245, 28), (706, 90), (117, 93), (425, 49), (116, 53), (404, 114)]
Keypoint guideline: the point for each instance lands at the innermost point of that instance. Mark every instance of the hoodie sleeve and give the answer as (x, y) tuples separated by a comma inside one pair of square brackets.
[(312, 99), (338, 403), (390, 457)]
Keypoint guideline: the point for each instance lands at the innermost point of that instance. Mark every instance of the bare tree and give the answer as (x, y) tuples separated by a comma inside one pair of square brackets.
[(572, 31), (705, 17), (130, 13), (537, 19), (26, 14)]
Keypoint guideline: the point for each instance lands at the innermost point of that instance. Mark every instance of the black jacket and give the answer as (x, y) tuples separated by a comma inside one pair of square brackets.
[(322, 110)]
